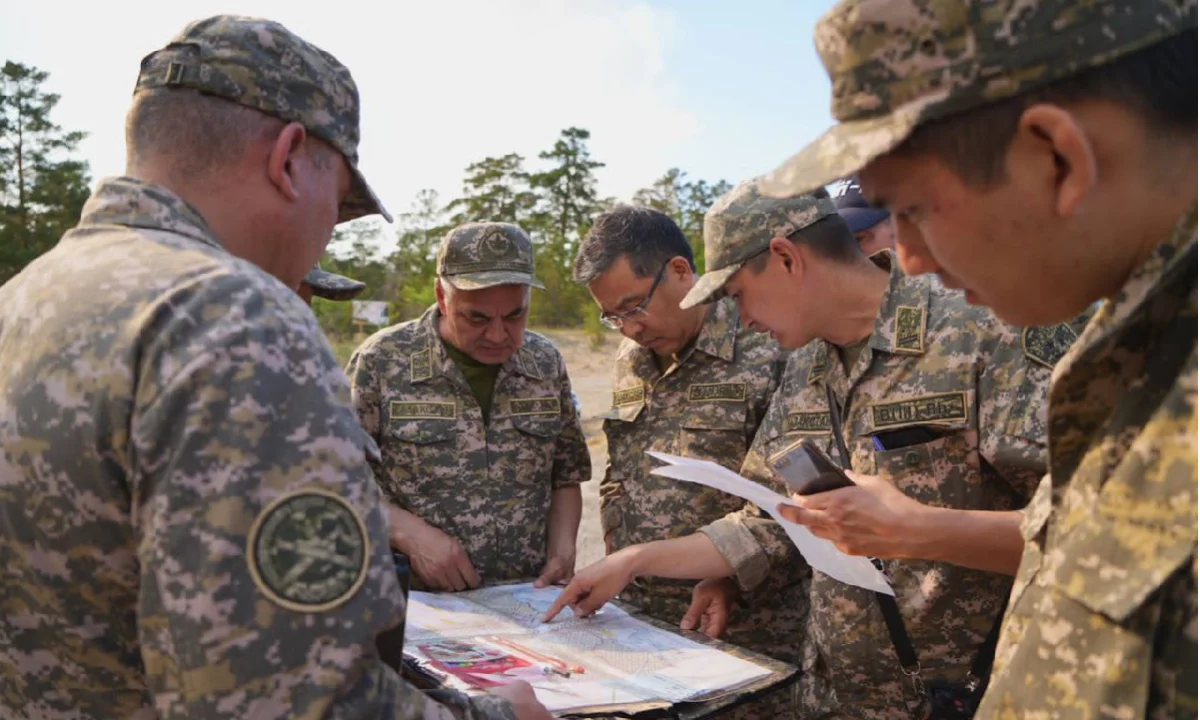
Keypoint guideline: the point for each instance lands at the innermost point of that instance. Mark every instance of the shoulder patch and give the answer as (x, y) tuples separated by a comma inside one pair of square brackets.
[(943, 407), (308, 551), (717, 392), (420, 365), (421, 410), (909, 330), (535, 406), (816, 373), (633, 395), (808, 422), (1046, 345)]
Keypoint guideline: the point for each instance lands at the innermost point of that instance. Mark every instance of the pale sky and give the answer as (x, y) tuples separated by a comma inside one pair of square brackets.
[(718, 89)]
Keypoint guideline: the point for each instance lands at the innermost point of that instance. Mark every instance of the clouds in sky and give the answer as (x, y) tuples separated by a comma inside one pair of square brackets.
[(443, 83)]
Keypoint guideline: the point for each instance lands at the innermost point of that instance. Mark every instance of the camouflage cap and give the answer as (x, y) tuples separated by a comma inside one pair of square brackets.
[(740, 225), (481, 255), (332, 286), (895, 64), (262, 65)]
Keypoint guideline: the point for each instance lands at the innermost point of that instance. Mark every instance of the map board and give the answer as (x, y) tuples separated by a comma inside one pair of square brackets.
[(476, 640)]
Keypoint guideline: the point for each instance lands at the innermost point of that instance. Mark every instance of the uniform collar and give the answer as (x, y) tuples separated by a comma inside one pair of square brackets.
[(902, 325), (432, 360), (137, 204), (717, 339)]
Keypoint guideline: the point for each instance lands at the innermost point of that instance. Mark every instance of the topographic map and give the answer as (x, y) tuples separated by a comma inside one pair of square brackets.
[(484, 638)]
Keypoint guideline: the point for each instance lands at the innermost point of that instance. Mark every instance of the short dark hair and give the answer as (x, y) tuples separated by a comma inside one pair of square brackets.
[(647, 237), (1157, 82), (829, 238), (200, 133)]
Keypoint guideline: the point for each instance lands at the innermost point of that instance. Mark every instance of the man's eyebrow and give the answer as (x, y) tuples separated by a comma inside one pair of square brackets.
[(518, 312)]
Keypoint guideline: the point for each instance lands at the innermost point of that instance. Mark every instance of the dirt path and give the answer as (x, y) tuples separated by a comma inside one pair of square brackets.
[(591, 379)]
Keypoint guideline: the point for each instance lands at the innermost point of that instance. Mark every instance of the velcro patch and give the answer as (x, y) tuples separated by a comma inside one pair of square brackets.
[(717, 392), (1046, 345), (420, 365), (943, 407), (534, 406), (819, 366), (634, 395), (308, 551), (808, 422), (421, 410), (910, 330)]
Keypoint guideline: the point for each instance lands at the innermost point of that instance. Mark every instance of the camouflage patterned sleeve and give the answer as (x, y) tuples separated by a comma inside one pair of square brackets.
[(611, 488), (1013, 378), (264, 567), (365, 398), (763, 557), (572, 461), (612, 483), (364, 389)]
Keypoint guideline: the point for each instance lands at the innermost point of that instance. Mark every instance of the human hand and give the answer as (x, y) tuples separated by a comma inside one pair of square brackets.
[(595, 585), (712, 604), (872, 518)]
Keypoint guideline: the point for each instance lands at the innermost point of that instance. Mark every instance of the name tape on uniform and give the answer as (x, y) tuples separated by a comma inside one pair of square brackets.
[(421, 410), (717, 392), (943, 407)]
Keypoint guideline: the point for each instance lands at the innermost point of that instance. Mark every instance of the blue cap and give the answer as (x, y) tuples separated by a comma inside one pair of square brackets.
[(853, 207)]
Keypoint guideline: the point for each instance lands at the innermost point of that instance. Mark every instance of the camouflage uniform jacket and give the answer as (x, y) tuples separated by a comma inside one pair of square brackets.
[(488, 485), (188, 524), (707, 405), (932, 361), (1102, 621)]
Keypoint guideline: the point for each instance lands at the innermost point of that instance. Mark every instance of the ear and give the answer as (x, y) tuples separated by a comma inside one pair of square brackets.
[(1051, 130), (786, 252), (281, 165), (440, 293), (680, 267)]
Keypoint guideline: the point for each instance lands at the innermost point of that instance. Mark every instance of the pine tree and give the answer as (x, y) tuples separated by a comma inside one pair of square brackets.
[(496, 189), (42, 188)]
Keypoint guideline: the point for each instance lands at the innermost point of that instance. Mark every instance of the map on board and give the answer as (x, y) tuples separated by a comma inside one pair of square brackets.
[(480, 639)]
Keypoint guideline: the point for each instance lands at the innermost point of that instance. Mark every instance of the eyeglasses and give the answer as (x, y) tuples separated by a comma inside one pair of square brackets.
[(615, 321)]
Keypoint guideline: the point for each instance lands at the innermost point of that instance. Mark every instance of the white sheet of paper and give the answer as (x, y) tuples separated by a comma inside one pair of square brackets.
[(820, 553)]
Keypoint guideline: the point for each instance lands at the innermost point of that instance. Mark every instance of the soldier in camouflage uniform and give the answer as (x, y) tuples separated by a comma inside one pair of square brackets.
[(694, 383), (896, 355), (482, 449), (328, 286), (687, 382), (188, 523), (1045, 160)]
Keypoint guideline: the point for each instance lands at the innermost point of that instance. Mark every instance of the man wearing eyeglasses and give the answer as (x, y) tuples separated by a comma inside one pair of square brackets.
[(693, 382), (482, 450)]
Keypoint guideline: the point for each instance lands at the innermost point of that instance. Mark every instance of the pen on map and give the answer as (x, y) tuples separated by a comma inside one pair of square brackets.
[(550, 670)]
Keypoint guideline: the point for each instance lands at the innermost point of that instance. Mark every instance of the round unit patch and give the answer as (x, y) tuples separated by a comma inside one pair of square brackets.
[(308, 551)]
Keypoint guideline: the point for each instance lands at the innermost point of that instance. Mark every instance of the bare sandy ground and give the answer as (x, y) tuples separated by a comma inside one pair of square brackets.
[(591, 379)]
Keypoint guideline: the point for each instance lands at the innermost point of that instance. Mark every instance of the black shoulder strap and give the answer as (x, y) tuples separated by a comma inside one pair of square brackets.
[(981, 668), (901, 643)]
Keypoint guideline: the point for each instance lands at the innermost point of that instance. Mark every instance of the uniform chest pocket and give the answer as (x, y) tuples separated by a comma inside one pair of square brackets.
[(422, 422), (539, 426), (714, 431), (942, 471)]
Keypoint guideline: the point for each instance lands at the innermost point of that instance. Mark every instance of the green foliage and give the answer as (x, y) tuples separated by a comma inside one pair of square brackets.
[(686, 202), (42, 188), (555, 204)]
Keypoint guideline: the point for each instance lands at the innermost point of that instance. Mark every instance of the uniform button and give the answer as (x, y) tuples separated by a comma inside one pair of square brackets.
[(912, 458)]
